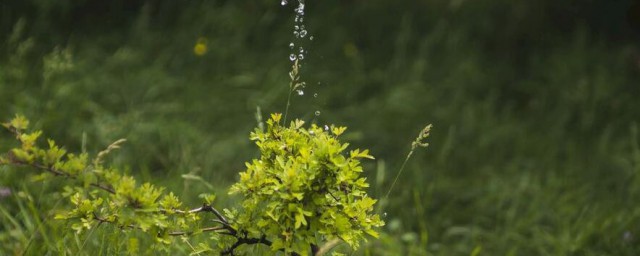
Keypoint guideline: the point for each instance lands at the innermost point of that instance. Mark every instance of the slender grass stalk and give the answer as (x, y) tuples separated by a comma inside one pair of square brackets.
[(286, 110), (418, 142), (295, 83)]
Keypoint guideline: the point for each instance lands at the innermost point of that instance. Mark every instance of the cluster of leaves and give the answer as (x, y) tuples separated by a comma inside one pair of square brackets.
[(304, 190), (103, 194)]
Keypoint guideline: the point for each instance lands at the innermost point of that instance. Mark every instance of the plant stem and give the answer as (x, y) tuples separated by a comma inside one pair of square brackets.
[(286, 110), (399, 173)]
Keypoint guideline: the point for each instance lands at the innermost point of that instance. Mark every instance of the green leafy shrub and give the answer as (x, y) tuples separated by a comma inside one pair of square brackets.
[(303, 186), (301, 193)]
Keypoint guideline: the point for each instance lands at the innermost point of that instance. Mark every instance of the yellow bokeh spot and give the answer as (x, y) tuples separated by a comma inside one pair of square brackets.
[(350, 50), (201, 47)]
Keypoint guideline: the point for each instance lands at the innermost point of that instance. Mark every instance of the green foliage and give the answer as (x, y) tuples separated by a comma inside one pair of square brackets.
[(304, 185), (303, 191), (102, 194)]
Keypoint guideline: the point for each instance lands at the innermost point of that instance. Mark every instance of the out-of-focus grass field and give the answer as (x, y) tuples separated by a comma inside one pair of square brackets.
[(535, 104)]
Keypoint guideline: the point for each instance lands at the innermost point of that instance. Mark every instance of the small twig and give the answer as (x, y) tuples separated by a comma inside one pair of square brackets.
[(173, 233), (55, 172), (208, 208), (244, 240), (209, 229), (219, 215), (326, 247)]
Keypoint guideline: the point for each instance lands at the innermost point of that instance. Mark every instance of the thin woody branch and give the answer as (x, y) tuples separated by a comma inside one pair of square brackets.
[(244, 240), (55, 172), (218, 229)]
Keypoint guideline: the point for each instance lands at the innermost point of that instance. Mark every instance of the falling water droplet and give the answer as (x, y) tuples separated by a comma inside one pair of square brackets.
[(317, 112), (301, 56), (291, 45), (303, 33), (300, 92), (283, 2), (292, 57)]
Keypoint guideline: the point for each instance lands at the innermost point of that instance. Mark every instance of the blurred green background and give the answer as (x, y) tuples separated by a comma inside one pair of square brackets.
[(535, 104)]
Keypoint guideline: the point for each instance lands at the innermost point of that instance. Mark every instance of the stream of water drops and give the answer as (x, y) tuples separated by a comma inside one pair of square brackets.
[(300, 39)]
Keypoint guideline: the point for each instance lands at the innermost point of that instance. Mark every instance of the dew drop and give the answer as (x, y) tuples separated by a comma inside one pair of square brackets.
[(311, 38), (317, 112), (296, 34), (385, 214), (283, 2), (291, 45), (292, 57), (300, 92), (301, 56), (303, 33), (301, 19), (326, 127), (296, 27), (315, 95), (301, 50), (311, 132)]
